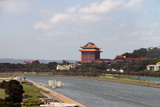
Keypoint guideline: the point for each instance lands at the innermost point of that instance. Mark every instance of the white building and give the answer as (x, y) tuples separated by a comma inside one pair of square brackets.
[(154, 67), (65, 67)]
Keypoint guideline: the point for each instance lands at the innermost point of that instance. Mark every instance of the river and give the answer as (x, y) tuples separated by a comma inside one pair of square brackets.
[(94, 93), (149, 79)]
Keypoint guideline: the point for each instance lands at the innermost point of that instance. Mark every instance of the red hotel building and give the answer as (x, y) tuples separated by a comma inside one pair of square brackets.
[(90, 53)]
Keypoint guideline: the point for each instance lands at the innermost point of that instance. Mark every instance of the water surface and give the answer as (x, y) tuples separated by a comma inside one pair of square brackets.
[(149, 79), (93, 93)]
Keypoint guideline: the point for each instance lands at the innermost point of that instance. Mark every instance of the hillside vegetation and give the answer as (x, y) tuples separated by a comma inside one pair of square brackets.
[(144, 53)]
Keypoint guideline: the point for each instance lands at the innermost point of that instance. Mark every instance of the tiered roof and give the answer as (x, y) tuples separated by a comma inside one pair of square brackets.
[(90, 47)]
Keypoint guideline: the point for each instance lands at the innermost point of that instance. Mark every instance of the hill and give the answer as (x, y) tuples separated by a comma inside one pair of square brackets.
[(153, 52)]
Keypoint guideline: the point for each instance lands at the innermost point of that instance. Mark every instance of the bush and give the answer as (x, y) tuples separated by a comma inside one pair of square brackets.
[(9, 104)]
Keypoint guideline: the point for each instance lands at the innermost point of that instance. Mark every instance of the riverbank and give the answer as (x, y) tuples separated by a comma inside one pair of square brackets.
[(57, 95), (154, 84), (131, 81), (101, 78)]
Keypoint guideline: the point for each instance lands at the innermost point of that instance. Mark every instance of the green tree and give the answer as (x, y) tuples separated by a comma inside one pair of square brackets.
[(52, 65), (15, 91)]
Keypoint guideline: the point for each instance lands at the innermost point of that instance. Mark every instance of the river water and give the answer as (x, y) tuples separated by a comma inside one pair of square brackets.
[(149, 79), (94, 93)]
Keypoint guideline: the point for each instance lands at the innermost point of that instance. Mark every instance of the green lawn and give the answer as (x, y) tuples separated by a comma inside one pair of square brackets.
[(27, 74), (31, 91), (3, 75), (32, 94), (2, 93), (130, 81)]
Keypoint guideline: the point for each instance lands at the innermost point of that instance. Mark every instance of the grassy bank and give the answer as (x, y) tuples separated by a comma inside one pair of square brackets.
[(130, 81), (32, 93), (2, 75)]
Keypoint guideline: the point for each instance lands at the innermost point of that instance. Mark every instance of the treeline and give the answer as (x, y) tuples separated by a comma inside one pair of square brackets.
[(8, 67), (144, 53), (76, 72), (98, 69), (89, 70), (133, 66)]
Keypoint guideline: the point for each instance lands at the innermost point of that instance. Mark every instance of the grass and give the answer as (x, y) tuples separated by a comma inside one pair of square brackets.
[(33, 94), (129, 81), (3, 75), (32, 91), (2, 93)]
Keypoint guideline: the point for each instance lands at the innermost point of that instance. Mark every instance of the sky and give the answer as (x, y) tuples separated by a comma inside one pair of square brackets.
[(55, 29)]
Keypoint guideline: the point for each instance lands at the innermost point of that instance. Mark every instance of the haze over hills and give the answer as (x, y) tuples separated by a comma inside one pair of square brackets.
[(10, 60)]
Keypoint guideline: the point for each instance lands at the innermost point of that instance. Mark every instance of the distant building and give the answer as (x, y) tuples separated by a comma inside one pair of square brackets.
[(154, 67), (65, 67), (119, 59), (90, 53), (122, 59), (31, 62), (106, 60)]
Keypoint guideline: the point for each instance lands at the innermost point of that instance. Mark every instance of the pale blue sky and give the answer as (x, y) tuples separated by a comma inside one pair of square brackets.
[(55, 29)]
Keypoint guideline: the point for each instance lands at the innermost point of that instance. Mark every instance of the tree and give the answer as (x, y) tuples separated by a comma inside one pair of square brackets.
[(144, 53), (3, 84), (52, 65), (15, 91)]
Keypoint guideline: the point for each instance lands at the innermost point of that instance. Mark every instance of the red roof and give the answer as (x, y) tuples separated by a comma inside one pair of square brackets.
[(90, 45), (89, 50), (105, 59), (30, 62), (119, 57), (137, 58)]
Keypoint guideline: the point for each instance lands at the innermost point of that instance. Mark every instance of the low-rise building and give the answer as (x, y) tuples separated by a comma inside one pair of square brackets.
[(154, 67), (31, 62), (122, 59), (65, 67)]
